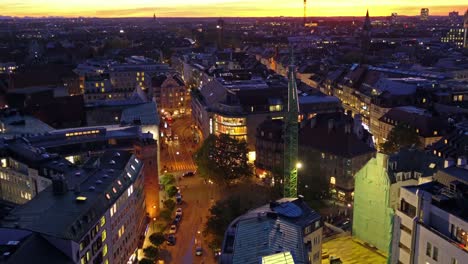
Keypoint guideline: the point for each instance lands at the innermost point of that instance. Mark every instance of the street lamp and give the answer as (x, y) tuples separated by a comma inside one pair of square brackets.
[(298, 165), (177, 153)]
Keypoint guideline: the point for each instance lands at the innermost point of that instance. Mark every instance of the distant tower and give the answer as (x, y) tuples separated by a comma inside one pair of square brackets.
[(305, 12), (220, 28), (465, 26), (154, 17), (290, 135), (366, 34), (424, 13)]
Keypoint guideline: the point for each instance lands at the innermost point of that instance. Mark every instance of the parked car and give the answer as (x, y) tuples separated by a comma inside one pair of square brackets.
[(199, 250), (189, 174), (178, 218), (173, 229), (178, 211), (171, 240)]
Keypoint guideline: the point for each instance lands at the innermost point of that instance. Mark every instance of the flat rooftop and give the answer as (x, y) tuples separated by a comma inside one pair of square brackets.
[(351, 251)]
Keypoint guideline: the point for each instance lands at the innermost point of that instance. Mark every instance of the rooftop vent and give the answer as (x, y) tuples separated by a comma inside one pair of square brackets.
[(112, 162), (98, 182), (117, 154), (92, 188)]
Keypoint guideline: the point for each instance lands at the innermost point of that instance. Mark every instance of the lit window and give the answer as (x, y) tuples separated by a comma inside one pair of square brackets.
[(104, 235), (129, 175), (332, 180), (103, 90), (4, 163), (133, 167), (114, 190), (88, 255), (119, 182), (104, 251), (113, 210), (103, 220), (97, 85), (130, 190), (435, 132), (108, 196)]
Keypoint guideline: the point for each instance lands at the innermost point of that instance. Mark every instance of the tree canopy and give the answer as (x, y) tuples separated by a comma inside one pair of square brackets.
[(157, 239), (401, 136), (151, 252), (223, 159)]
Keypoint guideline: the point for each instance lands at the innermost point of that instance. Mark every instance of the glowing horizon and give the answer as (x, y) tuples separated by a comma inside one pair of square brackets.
[(219, 8)]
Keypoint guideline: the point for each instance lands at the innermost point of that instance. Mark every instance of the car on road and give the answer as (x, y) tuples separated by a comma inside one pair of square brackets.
[(173, 229), (176, 137), (177, 219), (178, 211), (199, 250), (171, 240), (189, 174)]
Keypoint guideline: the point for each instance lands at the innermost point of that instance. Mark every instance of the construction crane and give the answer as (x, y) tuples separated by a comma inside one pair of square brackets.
[(290, 135), (305, 12)]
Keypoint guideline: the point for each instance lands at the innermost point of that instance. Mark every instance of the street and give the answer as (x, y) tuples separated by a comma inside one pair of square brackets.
[(176, 155), (196, 203), (198, 196)]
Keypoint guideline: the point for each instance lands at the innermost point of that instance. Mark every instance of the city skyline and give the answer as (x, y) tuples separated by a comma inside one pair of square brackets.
[(217, 8)]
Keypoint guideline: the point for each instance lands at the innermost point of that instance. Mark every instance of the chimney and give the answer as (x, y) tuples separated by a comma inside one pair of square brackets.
[(461, 161), (449, 163), (331, 123)]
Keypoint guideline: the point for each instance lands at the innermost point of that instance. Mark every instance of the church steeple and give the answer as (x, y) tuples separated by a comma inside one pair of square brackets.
[(367, 23)]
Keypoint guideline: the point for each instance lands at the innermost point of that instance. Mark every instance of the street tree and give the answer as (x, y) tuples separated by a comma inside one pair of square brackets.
[(168, 179), (171, 190), (165, 214), (151, 252), (157, 239), (146, 261), (223, 159), (169, 204), (401, 136)]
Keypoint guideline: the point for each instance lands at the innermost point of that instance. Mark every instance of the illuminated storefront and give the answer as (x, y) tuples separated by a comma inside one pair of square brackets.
[(233, 126)]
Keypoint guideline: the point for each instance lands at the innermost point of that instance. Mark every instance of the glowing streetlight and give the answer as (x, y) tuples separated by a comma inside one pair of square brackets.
[(298, 165), (177, 153)]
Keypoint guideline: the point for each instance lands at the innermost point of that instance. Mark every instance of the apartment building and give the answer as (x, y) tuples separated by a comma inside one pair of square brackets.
[(92, 214), (285, 226), (431, 224)]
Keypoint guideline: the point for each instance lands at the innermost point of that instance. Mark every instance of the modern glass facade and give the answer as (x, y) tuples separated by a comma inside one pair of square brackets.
[(235, 127)]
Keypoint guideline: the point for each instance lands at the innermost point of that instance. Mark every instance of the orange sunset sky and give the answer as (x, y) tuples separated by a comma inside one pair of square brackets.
[(223, 8)]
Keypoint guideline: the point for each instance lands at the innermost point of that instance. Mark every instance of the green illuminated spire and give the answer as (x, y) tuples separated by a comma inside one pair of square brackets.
[(291, 130)]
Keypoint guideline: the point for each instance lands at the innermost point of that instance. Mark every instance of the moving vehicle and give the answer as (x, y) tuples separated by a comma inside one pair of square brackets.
[(173, 229), (171, 240)]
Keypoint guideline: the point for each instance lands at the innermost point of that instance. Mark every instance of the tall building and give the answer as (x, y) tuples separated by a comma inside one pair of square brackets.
[(288, 226), (424, 14), (453, 17), (377, 187), (431, 223), (465, 27), (92, 214), (220, 29), (366, 35)]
